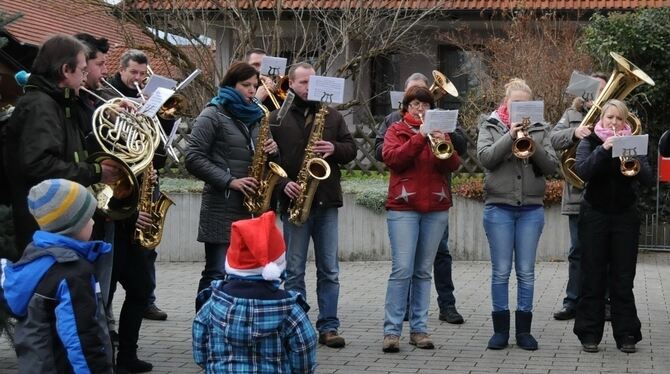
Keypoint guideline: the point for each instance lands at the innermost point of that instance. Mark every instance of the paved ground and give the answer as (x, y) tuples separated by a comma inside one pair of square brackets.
[(459, 349)]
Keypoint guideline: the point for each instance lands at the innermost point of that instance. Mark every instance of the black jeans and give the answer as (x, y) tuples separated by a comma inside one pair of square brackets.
[(608, 239), (215, 261), (131, 269), (444, 284)]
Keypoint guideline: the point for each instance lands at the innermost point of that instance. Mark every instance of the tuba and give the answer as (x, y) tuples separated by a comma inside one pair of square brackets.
[(523, 146), (625, 77), (312, 171), (442, 86), (266, 173), (127, 140)]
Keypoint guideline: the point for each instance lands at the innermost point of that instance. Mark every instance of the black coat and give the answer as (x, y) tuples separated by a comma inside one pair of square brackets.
[(292, 136), (607, 190), (45, 140), (219, 150)]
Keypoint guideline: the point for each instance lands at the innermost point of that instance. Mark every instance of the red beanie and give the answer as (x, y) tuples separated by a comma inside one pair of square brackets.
[(256, 248)]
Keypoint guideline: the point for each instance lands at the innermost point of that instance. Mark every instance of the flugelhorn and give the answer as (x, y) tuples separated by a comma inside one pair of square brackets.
[(441, 148), (523, 146), (629, 165)]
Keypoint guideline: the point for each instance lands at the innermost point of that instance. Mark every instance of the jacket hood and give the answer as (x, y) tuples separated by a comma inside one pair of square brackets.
[(246, 321), (19, 280)]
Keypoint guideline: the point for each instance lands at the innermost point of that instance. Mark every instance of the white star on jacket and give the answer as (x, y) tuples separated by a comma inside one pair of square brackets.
[(405, 195), (442, 194)]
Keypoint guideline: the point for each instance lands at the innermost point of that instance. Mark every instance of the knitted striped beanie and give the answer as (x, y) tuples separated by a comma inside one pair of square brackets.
[(61, 206)]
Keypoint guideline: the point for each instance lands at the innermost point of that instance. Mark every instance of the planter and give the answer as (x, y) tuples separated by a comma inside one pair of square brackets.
[(363, 234)]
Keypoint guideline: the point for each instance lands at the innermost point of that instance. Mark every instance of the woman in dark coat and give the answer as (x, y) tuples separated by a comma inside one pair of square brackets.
[(220, 150)]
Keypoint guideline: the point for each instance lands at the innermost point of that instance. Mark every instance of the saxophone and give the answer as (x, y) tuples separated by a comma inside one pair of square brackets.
[(312, 171), (266, 173), (150, 236)]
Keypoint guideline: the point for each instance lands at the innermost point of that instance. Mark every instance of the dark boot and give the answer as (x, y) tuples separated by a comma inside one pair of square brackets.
[(523, 337), (130, 363), (500, 330)]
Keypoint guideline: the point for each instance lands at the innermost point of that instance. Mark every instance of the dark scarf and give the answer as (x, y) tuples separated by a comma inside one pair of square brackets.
[(228, 97), (125, 90), (303, 105)]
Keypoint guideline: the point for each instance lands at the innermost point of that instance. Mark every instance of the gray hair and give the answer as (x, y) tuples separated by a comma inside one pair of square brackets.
[(417, 77), (135, 55)]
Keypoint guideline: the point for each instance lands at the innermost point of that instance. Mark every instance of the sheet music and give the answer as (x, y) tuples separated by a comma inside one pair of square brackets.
[(188, 79), (273, 66), (290, 96), (583, 86), (159, 97), (440, 120), (520, 109), (396, 98), (158, 81), (633, 145), (329, 90)]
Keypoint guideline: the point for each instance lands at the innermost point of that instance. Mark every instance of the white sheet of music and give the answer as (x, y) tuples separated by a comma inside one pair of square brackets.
[(396, 98), (273, 66), (633, 145), (159, 97), (583, 85), (520, 109), (329, 90), (440, 120), (158, 81)]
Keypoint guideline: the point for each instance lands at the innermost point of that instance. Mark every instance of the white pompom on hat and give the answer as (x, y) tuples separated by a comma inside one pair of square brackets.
[(256, 248)]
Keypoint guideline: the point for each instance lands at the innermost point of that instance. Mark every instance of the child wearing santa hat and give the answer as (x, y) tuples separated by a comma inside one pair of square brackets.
[(249, 324)]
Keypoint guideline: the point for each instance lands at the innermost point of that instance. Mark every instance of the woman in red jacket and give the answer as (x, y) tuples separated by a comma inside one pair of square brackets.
[(418, 203)]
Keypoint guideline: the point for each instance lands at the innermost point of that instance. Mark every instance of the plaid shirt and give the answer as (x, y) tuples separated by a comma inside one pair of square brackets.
[(236, 335)]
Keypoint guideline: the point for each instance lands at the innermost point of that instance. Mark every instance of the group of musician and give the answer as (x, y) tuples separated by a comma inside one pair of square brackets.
[(49, 136)]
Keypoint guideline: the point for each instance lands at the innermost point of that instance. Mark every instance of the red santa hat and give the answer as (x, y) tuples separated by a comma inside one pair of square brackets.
[(256, 248)]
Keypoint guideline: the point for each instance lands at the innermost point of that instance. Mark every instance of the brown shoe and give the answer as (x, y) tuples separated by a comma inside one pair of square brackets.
[(391, 343), (331, 339), (421, 340)]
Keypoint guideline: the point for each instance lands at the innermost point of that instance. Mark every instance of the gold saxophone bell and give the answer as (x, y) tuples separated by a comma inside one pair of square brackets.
[(523, 146), (625, 77), (442, 86)]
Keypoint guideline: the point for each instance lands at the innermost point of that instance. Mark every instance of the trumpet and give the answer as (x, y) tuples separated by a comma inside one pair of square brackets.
[(441, 148), (523, 146), (629, 165)]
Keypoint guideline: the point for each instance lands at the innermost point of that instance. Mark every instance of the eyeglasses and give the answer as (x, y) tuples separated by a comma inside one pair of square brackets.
[(419, 104)]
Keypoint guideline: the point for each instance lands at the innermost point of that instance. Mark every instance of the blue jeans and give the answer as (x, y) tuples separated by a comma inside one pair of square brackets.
[(514, 235), (321, 227), (414, 240), (574, 260)]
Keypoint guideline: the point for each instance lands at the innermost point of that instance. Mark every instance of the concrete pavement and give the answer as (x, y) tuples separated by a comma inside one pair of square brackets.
[(459, 348)]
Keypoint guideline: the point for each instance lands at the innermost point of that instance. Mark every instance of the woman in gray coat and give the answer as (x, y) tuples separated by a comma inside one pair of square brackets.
[(513, 212), (220, 150)]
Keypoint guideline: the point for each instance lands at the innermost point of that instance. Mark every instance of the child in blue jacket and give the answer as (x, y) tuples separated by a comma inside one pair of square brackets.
[(52, 289)]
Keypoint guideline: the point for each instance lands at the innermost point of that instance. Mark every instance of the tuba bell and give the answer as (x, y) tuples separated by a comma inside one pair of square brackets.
[(442, 86), (625, 77)]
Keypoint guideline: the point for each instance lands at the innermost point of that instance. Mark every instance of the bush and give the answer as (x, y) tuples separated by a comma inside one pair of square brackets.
[(472, 187)]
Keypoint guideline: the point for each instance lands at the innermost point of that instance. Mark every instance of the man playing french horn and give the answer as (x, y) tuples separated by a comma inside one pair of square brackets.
[(336, 146)]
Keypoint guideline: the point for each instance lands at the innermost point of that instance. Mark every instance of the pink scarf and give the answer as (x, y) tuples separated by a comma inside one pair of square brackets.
[(605, 133), (503, 114)]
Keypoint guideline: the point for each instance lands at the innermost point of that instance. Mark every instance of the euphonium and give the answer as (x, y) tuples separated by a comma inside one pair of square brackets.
[(312, 171), (266, 173), (130, 141), (149, 237), (625, 77), (523, 146)]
